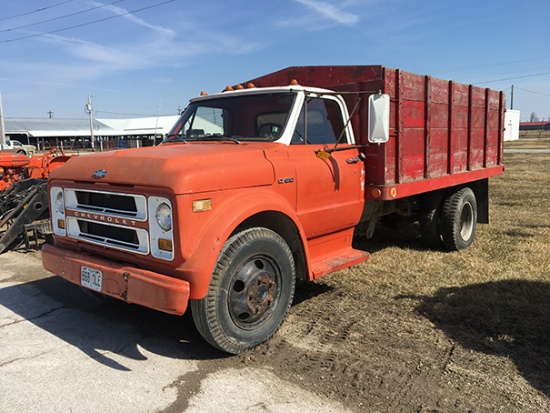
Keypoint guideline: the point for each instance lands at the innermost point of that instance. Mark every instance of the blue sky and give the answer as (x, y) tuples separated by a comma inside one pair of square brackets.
[(149, 57)]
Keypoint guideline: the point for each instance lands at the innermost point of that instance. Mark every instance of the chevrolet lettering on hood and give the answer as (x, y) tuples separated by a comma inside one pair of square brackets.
[(104, 218)]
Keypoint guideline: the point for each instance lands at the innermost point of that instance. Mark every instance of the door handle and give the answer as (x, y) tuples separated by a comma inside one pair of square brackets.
[(360, 157)]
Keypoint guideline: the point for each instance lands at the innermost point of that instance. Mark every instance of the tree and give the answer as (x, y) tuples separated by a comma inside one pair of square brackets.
[(534, 117)]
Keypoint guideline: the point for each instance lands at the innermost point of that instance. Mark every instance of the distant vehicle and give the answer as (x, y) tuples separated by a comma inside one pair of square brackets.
[(18, 147)]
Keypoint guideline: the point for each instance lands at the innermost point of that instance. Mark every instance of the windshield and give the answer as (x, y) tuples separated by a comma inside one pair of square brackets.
[(259, 117)]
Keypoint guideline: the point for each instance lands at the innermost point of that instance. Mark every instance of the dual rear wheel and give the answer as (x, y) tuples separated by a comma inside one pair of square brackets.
[(449, 221)]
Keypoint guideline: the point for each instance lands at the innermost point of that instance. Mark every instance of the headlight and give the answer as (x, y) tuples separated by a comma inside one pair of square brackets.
[(164, 216), (60, 202)]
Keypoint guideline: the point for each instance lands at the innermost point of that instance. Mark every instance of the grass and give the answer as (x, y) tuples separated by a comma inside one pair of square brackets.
[(516, 244), (496, 293), (534, 134), (528, 143)]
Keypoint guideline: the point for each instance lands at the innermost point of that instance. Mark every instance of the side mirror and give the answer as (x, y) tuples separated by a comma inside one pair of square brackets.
[(379, 118)]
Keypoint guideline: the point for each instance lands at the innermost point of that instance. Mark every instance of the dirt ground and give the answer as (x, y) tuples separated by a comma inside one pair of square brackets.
[(374, 356), (369, 353)]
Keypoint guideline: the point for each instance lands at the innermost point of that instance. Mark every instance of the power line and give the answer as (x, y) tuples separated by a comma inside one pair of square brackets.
[(35, 11), (463, 69), (512, 78), (60, 17), (532, 91), (87, 24)]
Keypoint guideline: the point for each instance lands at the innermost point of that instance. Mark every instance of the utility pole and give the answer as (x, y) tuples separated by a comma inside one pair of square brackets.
[(157, 122), (50, 114), (2, 130), (89, 110), (512, 98)]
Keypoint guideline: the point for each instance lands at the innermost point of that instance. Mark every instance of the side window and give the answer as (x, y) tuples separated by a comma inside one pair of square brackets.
[(322, 124)]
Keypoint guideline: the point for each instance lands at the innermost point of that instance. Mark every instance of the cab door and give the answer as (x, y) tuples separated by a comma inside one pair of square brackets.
[(329, 188)]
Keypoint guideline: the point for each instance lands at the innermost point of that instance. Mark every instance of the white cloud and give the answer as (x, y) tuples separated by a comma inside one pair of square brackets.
[(331, 12), (77, 59), (163, 31)]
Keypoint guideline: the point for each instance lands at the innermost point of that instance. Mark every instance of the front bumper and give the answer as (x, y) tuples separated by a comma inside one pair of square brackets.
[(127, 283)]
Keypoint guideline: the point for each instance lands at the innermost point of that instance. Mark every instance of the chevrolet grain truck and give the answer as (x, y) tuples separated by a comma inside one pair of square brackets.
[(266, 183)]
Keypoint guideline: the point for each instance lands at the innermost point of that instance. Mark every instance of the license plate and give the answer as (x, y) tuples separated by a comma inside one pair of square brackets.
[(91, 278)]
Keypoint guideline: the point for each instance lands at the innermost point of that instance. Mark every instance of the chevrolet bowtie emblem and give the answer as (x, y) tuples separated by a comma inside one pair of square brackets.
[(100, 173)]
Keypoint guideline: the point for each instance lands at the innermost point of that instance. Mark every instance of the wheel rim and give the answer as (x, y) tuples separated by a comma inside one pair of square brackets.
[(467, 221), (254, 292)]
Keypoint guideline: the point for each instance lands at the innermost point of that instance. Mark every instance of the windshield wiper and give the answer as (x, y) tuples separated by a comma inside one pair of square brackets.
[(216, 138), (174, 138)]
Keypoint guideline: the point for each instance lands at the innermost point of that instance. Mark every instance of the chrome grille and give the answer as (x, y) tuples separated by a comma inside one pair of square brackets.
[(107, 218), (106, 202), (111, 203)]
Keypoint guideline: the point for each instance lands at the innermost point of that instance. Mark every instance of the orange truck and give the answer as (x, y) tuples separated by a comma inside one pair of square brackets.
[(267, 183)]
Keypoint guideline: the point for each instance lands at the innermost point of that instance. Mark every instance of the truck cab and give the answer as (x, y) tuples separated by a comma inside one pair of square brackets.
[(292, 125)]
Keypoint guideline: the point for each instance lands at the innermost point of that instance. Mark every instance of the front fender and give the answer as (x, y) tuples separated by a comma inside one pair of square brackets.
[(201, 261)]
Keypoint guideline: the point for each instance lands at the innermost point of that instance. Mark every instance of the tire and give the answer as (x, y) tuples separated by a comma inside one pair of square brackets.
[(430, 217), (459, 219), (250, 292)]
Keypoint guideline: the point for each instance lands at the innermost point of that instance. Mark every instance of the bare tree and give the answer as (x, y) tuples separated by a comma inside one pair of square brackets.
[(534, 117)]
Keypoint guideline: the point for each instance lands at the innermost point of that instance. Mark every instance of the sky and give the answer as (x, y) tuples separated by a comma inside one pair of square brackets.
[(149, 57)]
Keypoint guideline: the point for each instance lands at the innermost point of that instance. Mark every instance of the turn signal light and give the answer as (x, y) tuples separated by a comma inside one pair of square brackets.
[(165, 245), (202, 205)]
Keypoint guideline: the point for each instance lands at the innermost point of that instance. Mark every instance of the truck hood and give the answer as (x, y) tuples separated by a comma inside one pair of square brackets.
[(183, 168)]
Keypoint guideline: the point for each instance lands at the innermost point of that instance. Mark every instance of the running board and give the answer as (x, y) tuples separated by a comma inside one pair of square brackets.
[(334, 252)]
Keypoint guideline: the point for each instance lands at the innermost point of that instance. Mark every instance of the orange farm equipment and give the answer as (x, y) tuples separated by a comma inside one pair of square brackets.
[(23, 196)]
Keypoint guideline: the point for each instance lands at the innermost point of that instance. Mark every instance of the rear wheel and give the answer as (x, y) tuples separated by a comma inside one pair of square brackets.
[(250, 291), (459, 219), (430, 216)]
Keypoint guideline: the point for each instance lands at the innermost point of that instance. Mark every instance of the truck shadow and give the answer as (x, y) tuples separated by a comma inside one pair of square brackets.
[(100, 328), (508, 318), (407, 237)]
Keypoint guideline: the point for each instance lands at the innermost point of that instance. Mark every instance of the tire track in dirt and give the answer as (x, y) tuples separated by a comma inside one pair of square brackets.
[(373, 355)]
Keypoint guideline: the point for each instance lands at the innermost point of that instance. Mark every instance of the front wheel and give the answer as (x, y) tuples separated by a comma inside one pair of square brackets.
[(459, 219), (250, 291)]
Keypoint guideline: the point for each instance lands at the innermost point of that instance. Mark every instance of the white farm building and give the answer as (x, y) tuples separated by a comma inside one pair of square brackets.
[(76, 132)]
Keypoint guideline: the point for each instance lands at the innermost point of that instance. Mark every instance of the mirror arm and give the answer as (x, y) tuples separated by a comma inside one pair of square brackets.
[(348, 120)]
